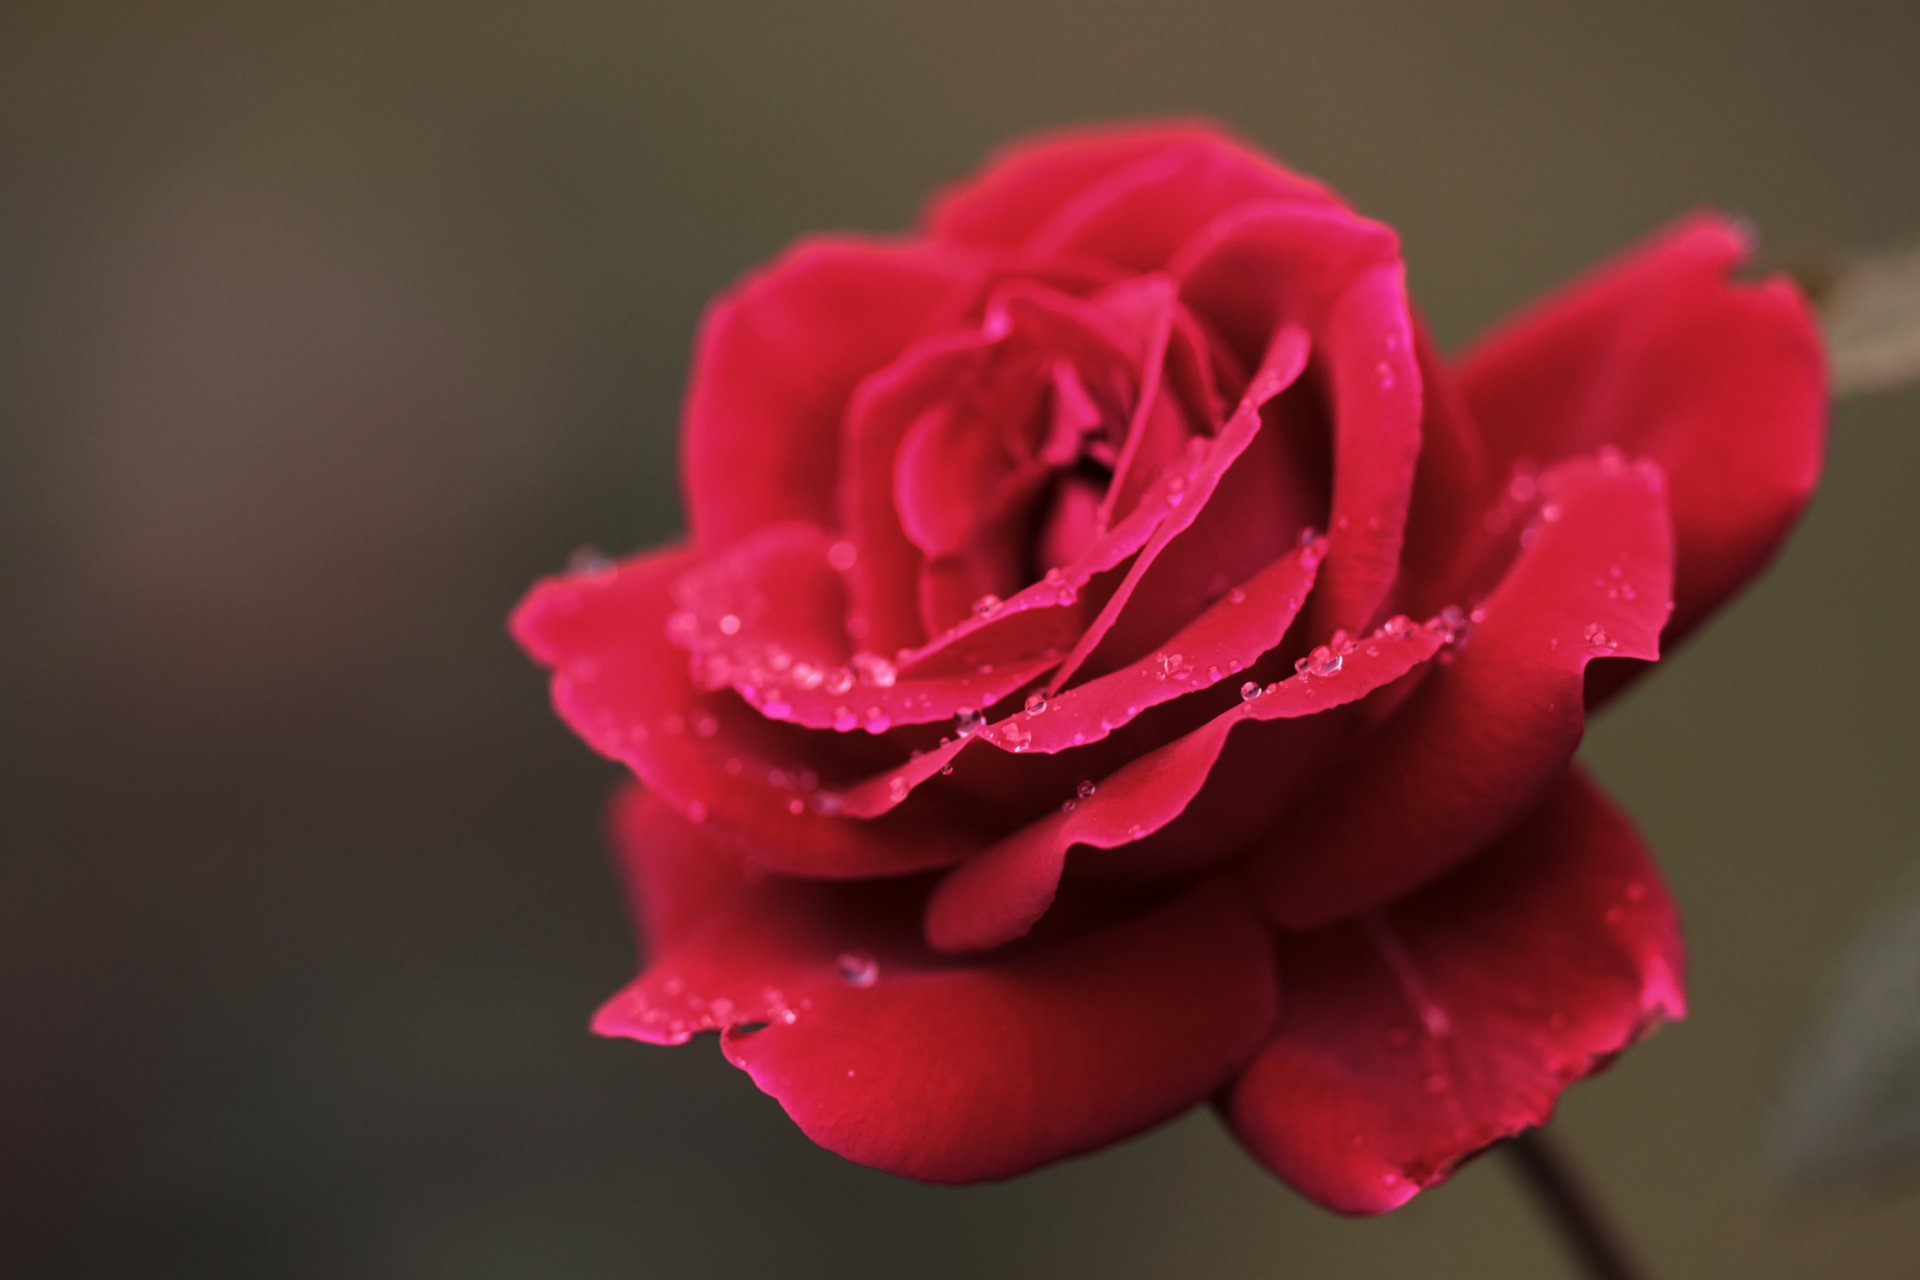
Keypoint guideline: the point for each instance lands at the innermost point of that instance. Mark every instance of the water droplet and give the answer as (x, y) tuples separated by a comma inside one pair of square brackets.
[(858, 969), (1173, 666), (967, 723), (1398, 627), (842, 556), (875, 670), (1598, 640), (729, 624), (1036, 703), (796, 806), (1086, 789), (1324, 661), (1452, 625), (1550, 512), (1238, 595), (986, 606), (1250, 690)]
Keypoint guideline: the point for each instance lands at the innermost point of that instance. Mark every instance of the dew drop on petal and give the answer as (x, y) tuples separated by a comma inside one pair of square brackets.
[(1324, 661), (1250, 690), (857, 968), (1036, 703), (1086, 789)]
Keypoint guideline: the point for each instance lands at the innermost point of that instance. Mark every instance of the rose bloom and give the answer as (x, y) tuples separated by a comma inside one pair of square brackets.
[(1117, 663)]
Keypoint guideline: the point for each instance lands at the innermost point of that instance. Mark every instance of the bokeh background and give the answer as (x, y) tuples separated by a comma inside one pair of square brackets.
[(325, 328)]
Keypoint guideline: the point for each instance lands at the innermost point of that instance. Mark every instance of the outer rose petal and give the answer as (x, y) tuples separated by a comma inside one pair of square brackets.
[(1025, 186), (1661, 354), (1413, 1037), (675, 872), (1471, 748), (623, 687), (959, 1073), (999, 895), (776, 362), (1342, 277)]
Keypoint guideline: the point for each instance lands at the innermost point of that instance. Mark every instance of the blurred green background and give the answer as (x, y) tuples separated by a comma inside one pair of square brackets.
[(324, 329)]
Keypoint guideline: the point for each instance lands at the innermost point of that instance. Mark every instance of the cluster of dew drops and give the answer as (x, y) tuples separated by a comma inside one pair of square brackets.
[(761, 672)]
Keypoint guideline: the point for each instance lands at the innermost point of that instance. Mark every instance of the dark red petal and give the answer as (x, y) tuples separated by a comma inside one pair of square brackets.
[(1183, 492), (1661, 354), (1412, 1037), (884, 577), (1341, 277), (1472, 747), (1224, 640), (624, 688), (1257, 514), (1451, 487), (1141, 215), (775, 364), (999, 895), (1025, 185), (767, 617), (675, 872), (954, 1072)]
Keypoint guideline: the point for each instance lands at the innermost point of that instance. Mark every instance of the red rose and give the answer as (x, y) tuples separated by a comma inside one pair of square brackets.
[(1117, 663)]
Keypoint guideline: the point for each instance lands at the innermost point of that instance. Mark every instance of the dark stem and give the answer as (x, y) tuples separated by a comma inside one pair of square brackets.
[(1581, 1225)]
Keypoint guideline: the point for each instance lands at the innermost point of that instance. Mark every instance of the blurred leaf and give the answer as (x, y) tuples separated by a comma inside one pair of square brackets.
[(1853, 1109), (1870, 313)]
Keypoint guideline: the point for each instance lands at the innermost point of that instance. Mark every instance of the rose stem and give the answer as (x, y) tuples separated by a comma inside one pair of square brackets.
[(1563, 1195)]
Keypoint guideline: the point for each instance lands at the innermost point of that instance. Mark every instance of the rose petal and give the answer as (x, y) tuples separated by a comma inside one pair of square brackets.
[(675, 872), (623, 687), (1341, 276), (767, 618), (999, 895), (1472, 747), (774, 366), (1450, 488), (957, 1073), (1662, 354), (1224, 640), (1181, 494), (1415, 1036), (1025, 185), (883, 579)]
